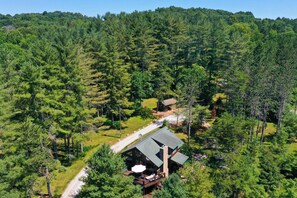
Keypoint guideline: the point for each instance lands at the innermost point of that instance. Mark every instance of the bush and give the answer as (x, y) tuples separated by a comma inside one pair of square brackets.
[(145, 113), (179, 129), (114, 125), (165, 123), (108, 123)]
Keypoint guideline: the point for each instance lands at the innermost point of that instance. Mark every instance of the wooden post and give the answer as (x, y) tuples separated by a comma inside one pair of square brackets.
[(143, 184)]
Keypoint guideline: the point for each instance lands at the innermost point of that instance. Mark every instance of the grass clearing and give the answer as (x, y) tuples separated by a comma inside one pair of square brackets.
[(270, 129), (111, 136), (292, 147), (150, 103), (93, 139), (61, 179)]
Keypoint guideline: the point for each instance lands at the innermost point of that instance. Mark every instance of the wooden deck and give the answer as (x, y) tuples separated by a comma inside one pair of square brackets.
[(147, 181), (127, 173)]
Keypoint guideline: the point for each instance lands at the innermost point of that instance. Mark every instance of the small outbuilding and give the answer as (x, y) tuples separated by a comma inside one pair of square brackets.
[(167, 104)]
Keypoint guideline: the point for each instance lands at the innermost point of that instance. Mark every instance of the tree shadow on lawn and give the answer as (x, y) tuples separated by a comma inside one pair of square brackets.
[(110, 132)]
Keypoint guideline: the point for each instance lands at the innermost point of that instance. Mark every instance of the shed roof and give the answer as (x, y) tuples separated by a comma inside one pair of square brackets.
[(169, 101)]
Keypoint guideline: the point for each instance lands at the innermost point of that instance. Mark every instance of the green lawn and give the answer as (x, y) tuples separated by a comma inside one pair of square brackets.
[(111, 136), (93, 139), (150, 103), (270, 129)]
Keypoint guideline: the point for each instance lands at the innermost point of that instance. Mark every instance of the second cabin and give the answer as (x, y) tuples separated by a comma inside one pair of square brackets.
[(167, 104)]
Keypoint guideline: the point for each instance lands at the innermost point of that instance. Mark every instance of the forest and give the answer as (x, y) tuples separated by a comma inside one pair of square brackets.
[(65, 74)]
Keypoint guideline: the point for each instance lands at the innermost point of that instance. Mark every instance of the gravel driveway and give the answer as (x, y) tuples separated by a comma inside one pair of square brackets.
[(75, 185)]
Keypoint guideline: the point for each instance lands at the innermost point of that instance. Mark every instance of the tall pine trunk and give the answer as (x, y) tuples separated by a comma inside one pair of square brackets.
[(48, 183), (54, 141), (189, 132), (77, 150), (252, 115), (264, 122), (189, 121), (68, 149), (65, 143), (280, 114), (112, 119), (73, 146)]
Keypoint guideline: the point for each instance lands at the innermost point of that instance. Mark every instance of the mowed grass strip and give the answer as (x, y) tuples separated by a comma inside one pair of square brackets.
[(94, 139)]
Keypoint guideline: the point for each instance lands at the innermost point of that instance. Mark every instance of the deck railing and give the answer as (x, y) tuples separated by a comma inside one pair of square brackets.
[(149, 180)]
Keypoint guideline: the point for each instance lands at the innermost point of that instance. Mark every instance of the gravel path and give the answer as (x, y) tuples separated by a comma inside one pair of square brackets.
[(75, 185)]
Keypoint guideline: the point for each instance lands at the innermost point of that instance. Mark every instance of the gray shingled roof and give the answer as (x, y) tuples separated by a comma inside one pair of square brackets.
[(179, 158), (166, 137), (150, 148)]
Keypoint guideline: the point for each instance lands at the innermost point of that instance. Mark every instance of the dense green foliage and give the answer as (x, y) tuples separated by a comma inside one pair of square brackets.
[(197, 183), (172, 187), (236, 166), (105, 177), (61, 73)]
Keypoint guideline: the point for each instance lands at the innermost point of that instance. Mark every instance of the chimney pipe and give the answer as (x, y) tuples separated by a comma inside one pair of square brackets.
[(165, 161)]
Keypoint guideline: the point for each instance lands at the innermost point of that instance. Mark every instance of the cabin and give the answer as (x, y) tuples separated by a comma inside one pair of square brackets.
[(167, 104), (158, 154)]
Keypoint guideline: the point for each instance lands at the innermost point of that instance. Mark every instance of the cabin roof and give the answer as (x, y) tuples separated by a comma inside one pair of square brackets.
[(166, 137), (179, 158), (151, 145), (150, 149), (170, 101)]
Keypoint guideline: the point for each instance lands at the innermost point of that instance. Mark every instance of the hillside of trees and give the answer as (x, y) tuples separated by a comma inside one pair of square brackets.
[(62, 74)]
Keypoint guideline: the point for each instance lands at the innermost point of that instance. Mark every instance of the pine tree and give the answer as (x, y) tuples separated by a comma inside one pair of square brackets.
[(173, 186), (115, 78), (95, 98), (198, 182), (192, 81), (105, 177)]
